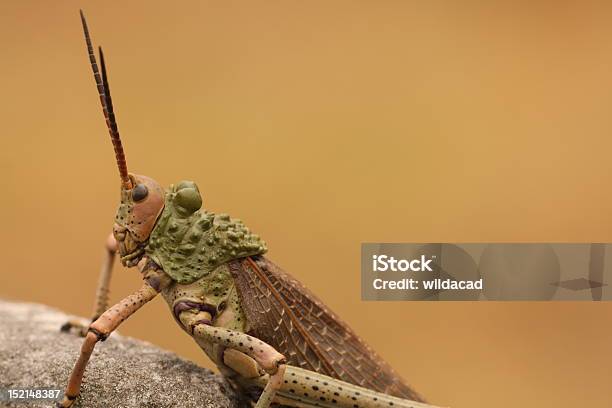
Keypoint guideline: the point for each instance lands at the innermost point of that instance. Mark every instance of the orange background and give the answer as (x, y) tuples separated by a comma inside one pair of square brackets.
[(322, 125)]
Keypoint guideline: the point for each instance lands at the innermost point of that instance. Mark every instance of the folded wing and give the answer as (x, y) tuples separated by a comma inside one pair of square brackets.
[(285, 314)]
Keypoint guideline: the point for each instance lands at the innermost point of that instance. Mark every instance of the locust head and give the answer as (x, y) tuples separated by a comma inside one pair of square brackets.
[(142, 198), (142, 201)]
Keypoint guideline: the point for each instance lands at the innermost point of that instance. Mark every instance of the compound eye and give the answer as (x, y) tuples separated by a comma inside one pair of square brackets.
[(139, 192)]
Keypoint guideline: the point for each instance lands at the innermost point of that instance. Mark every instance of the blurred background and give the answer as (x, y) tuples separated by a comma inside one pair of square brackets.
[(323, 125)]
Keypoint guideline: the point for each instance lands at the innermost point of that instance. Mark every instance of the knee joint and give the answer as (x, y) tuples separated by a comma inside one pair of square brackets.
[(99, 335)]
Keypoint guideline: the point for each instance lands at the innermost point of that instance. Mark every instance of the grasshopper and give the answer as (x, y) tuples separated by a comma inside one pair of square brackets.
[(269, 336)]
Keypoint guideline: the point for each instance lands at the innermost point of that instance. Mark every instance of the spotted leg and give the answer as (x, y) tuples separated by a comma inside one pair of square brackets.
[(101, 301), (233, 342), (274, 384), (99, 331), (286, 385)]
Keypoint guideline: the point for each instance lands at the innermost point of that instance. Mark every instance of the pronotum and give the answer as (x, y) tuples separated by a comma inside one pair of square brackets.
[(269, 336)]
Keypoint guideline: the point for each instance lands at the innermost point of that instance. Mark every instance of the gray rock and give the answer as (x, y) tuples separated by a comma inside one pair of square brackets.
[(123, 372)]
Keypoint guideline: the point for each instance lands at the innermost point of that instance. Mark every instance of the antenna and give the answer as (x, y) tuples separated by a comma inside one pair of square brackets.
[(107, 105)]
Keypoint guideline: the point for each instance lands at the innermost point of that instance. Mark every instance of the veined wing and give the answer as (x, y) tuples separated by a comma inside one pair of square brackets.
[(285, 314)]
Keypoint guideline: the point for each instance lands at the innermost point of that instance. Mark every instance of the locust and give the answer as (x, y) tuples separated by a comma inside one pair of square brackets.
[(270, 337)]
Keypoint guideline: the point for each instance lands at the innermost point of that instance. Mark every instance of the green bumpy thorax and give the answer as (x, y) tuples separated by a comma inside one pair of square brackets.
[(189, 243)]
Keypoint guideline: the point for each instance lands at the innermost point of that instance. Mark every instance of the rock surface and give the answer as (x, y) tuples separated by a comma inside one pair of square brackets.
[(123, 372)]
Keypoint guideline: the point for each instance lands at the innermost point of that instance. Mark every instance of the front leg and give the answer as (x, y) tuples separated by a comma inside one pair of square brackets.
[(100, 330), (101, 300)]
